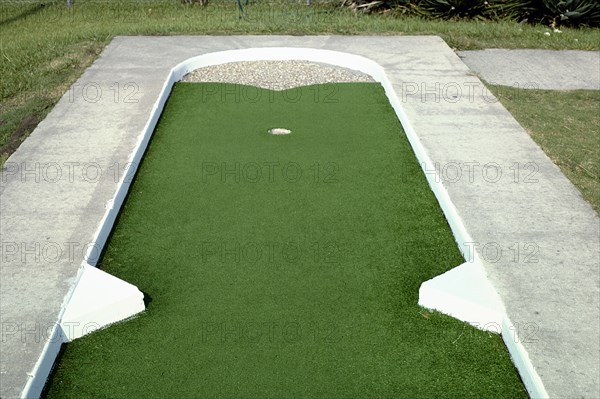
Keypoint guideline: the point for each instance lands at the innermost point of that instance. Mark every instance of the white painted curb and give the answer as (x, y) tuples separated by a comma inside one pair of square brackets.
[(99, 300), (472, 305), (96, 300), (464, 293)]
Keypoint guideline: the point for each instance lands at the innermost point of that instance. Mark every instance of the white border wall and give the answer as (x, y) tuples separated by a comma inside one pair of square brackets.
[(482, 308)]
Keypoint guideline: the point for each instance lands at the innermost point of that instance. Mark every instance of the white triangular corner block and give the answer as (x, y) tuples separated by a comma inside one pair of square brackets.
[(98, 300), (465, 294)]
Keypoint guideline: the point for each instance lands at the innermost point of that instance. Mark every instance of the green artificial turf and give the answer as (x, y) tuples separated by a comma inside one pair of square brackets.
[(298, 281)]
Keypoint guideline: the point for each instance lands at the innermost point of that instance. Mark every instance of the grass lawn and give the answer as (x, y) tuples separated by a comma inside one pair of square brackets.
[(566, 125), (283, 266)]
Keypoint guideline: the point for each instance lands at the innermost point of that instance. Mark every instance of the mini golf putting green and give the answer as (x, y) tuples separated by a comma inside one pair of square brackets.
[(282, 266)]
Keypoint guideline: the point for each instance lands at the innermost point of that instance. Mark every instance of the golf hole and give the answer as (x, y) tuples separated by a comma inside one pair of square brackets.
[(279, 131)]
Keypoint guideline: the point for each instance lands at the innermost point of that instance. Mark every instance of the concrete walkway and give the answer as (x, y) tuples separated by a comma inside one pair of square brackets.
[(536, 69), (538, 237)]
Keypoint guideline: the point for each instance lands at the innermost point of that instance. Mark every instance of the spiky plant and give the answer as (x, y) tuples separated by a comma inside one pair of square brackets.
[(568, 12), (374, 6), (509, 9), (448, 9)]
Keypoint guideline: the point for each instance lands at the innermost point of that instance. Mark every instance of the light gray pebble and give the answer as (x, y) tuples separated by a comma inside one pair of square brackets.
[(276, 75)]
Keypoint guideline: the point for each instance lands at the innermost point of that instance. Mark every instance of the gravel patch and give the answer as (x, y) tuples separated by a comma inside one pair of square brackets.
[(276, 75)]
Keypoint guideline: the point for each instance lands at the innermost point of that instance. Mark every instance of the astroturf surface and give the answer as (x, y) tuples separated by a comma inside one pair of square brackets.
[(282, 266)]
